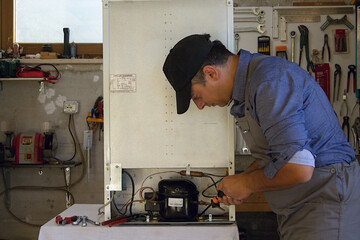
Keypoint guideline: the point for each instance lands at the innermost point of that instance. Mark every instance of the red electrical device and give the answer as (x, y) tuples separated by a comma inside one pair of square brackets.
[(28, 148), (30, 72)]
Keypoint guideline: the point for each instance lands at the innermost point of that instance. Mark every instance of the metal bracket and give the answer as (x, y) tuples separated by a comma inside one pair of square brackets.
[(67, 175), (283, 29), (115, 177), (188, 169), (42, 87), (275, 24), (106, 3)]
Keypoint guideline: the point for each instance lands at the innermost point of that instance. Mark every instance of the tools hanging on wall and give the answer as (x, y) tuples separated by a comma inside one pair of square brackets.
[(332, 27)]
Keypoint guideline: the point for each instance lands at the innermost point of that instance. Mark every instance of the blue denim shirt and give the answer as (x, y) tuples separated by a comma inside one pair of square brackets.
[(292, 111)]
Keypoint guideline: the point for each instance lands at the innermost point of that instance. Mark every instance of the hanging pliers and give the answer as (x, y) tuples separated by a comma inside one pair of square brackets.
[(346, 117), (304, 43), (356, 134), (337, 76), (352, 69), (326, 44)]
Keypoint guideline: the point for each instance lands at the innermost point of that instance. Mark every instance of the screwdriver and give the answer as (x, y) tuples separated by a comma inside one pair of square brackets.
[(214, 201)]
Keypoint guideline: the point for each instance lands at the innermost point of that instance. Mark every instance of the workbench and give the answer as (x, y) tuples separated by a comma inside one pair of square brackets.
[(53, 231)]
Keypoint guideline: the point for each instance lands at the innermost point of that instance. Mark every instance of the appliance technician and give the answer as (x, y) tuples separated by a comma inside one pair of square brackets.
[(304, 164)]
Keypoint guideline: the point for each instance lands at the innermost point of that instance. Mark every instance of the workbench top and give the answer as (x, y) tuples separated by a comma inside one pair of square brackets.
[(52, 231)]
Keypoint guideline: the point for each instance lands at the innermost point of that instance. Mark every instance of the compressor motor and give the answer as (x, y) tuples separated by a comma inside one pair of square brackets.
[(178, 199)]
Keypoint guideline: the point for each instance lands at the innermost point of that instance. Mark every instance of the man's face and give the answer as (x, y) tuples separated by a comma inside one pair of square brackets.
[(207, 95)]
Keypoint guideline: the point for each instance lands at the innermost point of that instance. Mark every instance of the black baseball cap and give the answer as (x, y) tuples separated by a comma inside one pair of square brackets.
[(183, 62)]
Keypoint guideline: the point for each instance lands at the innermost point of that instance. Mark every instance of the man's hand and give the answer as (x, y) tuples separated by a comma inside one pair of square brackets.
[(235, 190), (239, 187)]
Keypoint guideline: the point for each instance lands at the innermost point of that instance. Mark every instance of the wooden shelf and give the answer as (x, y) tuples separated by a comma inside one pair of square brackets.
[(46, 165), (60, 61), (21, 79)]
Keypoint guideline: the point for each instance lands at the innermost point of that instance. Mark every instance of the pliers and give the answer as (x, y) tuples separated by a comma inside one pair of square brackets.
[(116, 221), (347, 126), (326, 43), (344, 103), (352, 69), (337, 75), (356, 134), (304, 42), (346, 117), (66, 220)]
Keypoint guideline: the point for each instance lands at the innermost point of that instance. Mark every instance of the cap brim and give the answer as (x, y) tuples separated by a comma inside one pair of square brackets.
[(183, 99)]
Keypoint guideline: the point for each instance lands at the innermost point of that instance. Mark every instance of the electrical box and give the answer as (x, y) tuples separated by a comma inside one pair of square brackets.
[(71, 107), (143, 133)]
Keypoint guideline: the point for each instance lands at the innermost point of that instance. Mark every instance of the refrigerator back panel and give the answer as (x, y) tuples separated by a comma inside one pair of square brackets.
[(144, 129)]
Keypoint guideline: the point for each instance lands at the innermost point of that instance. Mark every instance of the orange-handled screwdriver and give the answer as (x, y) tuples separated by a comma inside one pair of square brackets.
[(214, 201)]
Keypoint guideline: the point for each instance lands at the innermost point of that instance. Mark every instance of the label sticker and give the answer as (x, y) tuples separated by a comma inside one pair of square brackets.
[(123, 83), (176, 202)]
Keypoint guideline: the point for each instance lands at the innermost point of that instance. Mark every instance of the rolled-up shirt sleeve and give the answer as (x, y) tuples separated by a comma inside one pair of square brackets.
[(277, 103)]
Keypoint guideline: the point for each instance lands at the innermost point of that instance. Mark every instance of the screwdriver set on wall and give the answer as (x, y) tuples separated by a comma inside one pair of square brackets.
[(264, 45)]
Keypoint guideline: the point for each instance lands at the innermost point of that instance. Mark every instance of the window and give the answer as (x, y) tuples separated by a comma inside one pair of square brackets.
[(33, 23), (42, 21)]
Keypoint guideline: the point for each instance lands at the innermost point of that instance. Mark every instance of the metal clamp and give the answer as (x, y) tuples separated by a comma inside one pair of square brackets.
[(329, 21)]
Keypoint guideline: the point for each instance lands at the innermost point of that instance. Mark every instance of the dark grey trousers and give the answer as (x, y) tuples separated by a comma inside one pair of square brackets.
[(325, 208)]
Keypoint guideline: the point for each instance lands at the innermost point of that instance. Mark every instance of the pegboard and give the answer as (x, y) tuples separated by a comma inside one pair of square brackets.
[(248, 41)]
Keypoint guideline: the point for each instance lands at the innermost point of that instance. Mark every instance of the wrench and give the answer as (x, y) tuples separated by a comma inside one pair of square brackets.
[(254, 10), (237, 37), (77, 222), (84, 224), (93, 222), (251, 29), (293, 35), (258, 19)]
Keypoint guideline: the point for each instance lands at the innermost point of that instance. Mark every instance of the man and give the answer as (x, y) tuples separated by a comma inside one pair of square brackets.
[(304, 164)]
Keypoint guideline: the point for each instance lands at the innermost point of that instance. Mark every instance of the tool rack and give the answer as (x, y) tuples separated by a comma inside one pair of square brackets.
[(279, 22)]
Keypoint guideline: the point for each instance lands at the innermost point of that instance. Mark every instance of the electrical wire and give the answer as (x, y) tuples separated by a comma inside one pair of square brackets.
[(214, 184), (50, 79), (28, 188), (104, 205), (215, 175), (72, 136), (123, 209), (44, 188), (133, 191)]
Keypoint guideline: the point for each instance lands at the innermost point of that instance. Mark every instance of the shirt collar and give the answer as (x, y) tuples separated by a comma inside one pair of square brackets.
[(238, 95)]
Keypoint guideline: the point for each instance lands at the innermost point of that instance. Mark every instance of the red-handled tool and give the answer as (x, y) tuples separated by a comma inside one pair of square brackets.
[(58, 219), (66, 220), (115, 221)]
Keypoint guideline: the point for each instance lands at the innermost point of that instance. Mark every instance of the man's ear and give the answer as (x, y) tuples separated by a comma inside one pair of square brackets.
[(210, 72)]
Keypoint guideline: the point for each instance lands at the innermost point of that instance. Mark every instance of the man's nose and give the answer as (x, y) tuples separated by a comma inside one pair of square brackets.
[(199, 103)]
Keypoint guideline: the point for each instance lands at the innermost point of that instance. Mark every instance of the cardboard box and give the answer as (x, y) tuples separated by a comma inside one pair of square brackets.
[(48, 55)]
